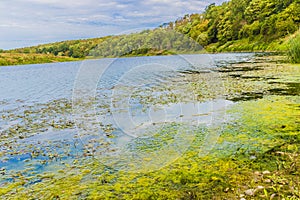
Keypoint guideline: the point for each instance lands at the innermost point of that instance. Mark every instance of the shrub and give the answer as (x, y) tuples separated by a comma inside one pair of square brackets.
[(294, 49)]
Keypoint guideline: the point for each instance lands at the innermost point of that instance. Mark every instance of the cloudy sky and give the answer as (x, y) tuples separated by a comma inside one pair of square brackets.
[(31, 22)]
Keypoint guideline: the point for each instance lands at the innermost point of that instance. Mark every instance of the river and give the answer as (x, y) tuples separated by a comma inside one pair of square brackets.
[(134, 114)]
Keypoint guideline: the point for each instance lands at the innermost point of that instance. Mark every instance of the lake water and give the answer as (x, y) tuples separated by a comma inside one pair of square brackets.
[(115, 110)]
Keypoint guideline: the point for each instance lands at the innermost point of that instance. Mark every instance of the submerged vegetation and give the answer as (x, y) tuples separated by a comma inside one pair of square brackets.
[(255, 156)]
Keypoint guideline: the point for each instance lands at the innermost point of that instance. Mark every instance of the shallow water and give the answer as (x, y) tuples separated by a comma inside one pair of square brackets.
[(131, 114)]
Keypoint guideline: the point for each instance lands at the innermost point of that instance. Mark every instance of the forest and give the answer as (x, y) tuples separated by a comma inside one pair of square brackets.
[(251, 24)]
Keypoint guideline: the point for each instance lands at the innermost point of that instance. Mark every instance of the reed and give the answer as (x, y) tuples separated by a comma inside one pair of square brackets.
[(294, 49)]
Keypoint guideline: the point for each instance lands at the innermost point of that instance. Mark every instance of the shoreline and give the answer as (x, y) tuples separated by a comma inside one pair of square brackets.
[(60, 59)]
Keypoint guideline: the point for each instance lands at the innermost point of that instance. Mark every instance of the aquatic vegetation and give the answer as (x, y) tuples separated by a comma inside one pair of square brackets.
[(254, 152), (255, 157), (27, 121)]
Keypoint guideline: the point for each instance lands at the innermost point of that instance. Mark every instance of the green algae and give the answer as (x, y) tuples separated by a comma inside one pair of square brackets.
[(265, 129), (256, 155)]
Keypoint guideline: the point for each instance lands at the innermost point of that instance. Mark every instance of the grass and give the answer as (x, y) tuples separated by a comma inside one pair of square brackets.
[(250, 45), (22, 58), (294, 49)]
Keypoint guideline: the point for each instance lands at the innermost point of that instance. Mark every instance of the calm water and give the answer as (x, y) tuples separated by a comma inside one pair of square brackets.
[(45, 82), (67, 111)]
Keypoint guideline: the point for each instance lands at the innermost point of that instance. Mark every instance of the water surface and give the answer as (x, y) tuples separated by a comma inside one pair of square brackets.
[(53, 114)]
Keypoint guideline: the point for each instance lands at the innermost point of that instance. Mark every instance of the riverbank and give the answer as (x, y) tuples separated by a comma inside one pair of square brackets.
[(12, 59), (7, 59), (279, 46)]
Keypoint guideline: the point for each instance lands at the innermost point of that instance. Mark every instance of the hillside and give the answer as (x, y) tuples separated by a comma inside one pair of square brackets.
[(243, 25), (70, 48), (236, 25), (53, 52)]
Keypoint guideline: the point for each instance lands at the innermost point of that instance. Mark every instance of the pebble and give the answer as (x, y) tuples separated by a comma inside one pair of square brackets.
[(250, 192), (266, 172), (257, 173), (272, 196), (260, 187)]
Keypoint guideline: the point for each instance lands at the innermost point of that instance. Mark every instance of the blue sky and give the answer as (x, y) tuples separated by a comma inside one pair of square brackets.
[(32, 22)]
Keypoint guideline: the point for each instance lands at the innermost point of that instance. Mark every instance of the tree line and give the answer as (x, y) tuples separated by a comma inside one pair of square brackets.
[(255, 20), (263, 21)]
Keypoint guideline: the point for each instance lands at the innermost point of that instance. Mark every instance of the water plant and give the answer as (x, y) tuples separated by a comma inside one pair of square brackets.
[(255, 157)]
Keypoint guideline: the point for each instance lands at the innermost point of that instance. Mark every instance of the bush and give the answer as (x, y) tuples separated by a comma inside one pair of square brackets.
[(294, 49)]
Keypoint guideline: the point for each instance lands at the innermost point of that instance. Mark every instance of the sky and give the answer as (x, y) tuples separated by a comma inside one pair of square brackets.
[(31, 22)]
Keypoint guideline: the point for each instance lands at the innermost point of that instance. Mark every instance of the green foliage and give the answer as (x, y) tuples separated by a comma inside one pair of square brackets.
[(262, 21), (159, 41), (294, 49), (72, 48), (250, 30), (30, 58)]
